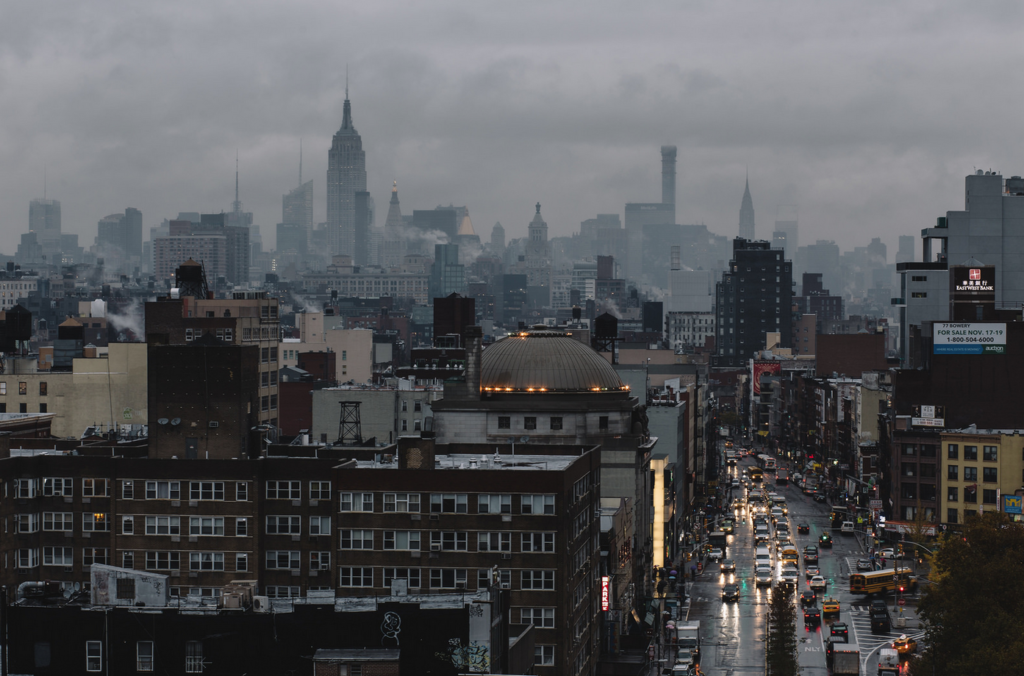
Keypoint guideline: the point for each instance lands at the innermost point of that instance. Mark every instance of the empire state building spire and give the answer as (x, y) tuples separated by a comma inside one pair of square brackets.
[(346, 177), (747, 214)]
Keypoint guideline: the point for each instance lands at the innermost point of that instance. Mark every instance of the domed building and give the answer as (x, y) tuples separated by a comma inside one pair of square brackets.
[(543, 386)]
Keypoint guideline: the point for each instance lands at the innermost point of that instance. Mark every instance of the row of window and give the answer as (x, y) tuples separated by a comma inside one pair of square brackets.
[(23, 388), (444, 578), (23, 408), (145, 656), (554, 422), (448, 541), (989, 453), (989, 496), (988, 474)]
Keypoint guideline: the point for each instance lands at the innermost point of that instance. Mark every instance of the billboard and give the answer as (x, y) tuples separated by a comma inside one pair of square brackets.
[(1012, 504), (980, 338), (972, 282), (764, 368)]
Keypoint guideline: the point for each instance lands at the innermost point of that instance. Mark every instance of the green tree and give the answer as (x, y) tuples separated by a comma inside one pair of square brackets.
[(972, 608), (780, 653)]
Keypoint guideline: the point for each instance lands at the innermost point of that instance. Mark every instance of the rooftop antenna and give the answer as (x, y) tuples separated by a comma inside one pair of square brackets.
[(237, 204), (346, 81), (300, 162)]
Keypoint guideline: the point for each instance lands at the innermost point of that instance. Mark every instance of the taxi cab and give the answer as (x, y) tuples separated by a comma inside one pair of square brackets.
[(904, 645), (830, 606)]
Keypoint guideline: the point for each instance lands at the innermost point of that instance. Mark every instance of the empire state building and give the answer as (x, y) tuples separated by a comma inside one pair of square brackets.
[(346, 176)]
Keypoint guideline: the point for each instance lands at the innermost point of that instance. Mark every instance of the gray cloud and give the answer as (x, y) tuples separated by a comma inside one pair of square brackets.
[(866, 114)]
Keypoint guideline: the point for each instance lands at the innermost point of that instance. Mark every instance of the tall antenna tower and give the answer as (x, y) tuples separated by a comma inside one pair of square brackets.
[(350, 431)]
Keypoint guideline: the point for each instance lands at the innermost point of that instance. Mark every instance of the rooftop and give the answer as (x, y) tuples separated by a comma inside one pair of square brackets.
[(546, 361), (497, 461)]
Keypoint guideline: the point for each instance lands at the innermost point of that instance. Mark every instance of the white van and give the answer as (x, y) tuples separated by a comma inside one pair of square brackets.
[(762, 555), (847, 528)]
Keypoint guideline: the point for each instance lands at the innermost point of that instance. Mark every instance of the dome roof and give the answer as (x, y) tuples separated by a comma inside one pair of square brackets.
[(545, 361)]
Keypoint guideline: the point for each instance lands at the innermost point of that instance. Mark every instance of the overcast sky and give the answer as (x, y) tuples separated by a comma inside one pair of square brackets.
[(867, 115)]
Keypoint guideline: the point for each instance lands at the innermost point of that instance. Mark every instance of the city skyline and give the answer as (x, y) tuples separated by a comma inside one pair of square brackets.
[(863, 154)]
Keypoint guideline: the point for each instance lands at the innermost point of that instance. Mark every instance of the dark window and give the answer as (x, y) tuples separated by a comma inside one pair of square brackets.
[(42, 408), (988, 496), (265, 355), (970, 473), (504, 422), (3, 408), (951, 515), (530, 422), (417, 407), (42, 653), (927, 470), (970, 452), (556, 422), (970, 493), (42, 392), (928, 450), (909, 449), (126, 588), (23, 408), (909, 468), (953, 452), (953, 494), (952, 472), (989, 454), (602, 422), (990, 475), (909, 491), (928, 492)]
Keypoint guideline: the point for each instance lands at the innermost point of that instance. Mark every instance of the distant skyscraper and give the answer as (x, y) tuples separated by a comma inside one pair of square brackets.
[(119, 240), (787, 221), (668, 174), (297, 206), (44, 220), (905, 254), (747, 214), (497, 239), (394, 233), (346, 175)]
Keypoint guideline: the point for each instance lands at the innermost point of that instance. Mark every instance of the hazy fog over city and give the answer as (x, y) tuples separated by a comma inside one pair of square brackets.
[(864, 114)]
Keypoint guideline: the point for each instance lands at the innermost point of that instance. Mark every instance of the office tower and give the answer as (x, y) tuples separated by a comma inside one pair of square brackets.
[(361, 228), (497, 239), (668, 174), (538, 252), (905, 253), (236, 245), (447, 276), (822, 256), (754, 297), (747, 214), (119, 240), (346, 175), (639, 215), (297, 210), (688, 290), (44, 220), (394, 233), (779, 240), (787, 221)]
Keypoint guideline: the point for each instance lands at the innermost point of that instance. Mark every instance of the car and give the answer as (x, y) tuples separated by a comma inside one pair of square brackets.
[(716, 554), (840, 630), (811, 571), (904, 645), (865, 564), (812, 616), (797, 476), (789, 577), (803, 528), (808, 598), (728, 566), (887, 553), (727, 527), (731, 592), (817, 583), (819, 496), (763, 577), (830, 606), (810, 555), (825, 539)]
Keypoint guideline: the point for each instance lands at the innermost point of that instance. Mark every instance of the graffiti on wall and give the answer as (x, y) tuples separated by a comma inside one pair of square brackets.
[(474, 658), (391, 627)]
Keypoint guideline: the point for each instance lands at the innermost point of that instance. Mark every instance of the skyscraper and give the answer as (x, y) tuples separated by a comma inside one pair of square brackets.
[(668, 174), (346, 175), (747, 214), (44, 220), (497, 239), (787, 220)]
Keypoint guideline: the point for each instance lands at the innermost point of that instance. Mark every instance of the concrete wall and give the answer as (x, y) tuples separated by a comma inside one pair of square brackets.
[(380, 411)]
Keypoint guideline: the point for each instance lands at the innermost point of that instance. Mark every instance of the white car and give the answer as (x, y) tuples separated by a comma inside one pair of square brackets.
[(817, 583), (887, 553), (716, 554)]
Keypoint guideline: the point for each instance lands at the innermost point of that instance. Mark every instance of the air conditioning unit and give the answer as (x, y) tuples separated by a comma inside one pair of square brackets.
[(214, 423), (506, 556), (435, 548), (460, 585), (506, 585), (260, 604), (325, 566), (435, 517)]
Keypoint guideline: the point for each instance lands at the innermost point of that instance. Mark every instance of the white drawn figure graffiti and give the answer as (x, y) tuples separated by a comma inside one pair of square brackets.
[(391, 627)]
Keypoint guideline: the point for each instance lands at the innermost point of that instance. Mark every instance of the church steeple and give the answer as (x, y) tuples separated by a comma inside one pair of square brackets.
[(394, 219), (747, 214)]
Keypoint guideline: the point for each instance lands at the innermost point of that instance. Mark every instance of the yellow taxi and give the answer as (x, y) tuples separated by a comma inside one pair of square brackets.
[(904, 645), (830, 606)]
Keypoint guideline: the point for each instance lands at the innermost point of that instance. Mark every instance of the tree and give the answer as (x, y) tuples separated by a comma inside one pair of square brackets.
[(780, 653), (972, 608)]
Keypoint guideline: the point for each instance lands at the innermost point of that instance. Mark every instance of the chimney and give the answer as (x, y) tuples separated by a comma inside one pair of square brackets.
[(675, 258)]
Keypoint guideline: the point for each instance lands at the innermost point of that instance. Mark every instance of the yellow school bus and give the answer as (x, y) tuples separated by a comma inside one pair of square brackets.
[(882, 580)]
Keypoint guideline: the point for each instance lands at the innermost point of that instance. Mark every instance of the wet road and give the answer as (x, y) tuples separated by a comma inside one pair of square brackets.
[(734, 632)]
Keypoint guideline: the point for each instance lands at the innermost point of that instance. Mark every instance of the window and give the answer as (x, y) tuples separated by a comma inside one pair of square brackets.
[(494, 504), (918, 294), (971, 494), (402, 502), (928, 492), (95, 488), (144, 654), (909, 468), (193, 657), (909, 449), (356, 539), (95, 521), (265, 355), (602, 422), (405, 406), (127, 525), (953, 494), (405, 425), (927, 450), (319, 561), (27, 523), (127, 490), (447, 578), (241, 562), (449, 503), (537, 504), (127, 559), (273, 402), (264, 403), (538, 542), (163, 525), (58, 487), (951, 515), (417, 407), (22, 388), (282, 592), (357, 502), (919, 278), (58, 521), (538, 579), (26, 488), (319, 525), (988, 496), (494, 542), (58, 556), (3, 388), (530, 422), (970, 452), (544, 655), (93, 656), (163, 490), (319, 490), (91, 555), (989, 454), (42, 408), (284, 490), (163, 561), (556, 422), (952, 473), (22, 408), (206, 525), (355, 577), (539, 617), (410, 575), (242, 491), (953, 452), (927, 470), (449, 541), (970, 473), (206, 490), (504, 422), (284, 525), (989, 475), (402, 539), (42, 389), (206, 561)]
